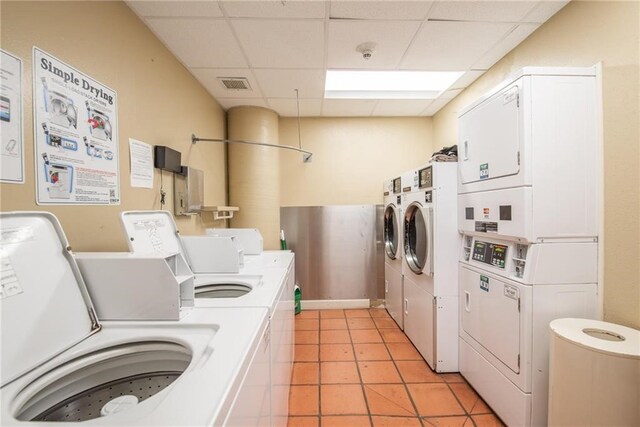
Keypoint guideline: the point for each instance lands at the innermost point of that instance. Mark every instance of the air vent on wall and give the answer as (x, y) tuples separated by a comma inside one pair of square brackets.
[(235, 83)]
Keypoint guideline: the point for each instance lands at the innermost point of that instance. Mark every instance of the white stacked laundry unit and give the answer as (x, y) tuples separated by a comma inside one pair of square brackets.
[(429, 268), (528, 200), (393, 249)]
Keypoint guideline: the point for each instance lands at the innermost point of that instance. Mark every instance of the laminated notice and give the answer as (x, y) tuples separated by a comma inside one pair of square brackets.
[(16, 235), (9, 283), (151, 228)]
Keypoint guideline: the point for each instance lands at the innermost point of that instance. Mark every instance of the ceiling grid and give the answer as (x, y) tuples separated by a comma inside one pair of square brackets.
[(283, 45)]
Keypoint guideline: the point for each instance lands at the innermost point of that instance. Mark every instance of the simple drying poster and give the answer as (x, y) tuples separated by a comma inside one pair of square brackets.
[(76, 135), (11, 141)]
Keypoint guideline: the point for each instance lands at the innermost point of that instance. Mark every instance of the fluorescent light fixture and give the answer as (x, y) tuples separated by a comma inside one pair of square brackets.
[(388, 84)]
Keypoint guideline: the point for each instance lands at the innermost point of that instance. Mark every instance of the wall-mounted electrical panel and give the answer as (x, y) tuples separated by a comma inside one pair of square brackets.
[(167, 159)]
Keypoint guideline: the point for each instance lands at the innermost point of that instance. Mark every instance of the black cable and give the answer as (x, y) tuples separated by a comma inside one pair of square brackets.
[(162, 192)]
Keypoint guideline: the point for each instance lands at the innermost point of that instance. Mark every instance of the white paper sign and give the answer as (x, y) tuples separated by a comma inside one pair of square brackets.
[(141, 161), (76, 135), (11, 141)]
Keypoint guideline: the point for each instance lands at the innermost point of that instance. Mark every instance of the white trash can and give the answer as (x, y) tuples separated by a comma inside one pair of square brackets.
[(594, 374)]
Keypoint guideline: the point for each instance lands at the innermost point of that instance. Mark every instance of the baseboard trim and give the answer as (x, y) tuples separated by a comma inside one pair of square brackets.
[(327, 304)]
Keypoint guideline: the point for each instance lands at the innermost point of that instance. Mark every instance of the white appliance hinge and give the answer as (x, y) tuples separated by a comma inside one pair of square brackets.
[(518, 158), (518, 361), (94, 319), (267, 337), (518, 305), (518, 100)]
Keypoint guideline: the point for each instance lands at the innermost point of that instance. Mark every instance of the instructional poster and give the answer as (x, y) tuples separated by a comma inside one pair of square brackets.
[(141, 161), (11, 132), (76, 135)]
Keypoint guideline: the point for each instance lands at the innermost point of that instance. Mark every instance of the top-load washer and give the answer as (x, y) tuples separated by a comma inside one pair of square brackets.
[(529, 171), (60, 363), (393, 248), (250, 241), (430, 260), (258, 286)]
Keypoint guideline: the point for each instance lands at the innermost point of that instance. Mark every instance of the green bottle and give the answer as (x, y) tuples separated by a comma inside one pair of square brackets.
[(298, 299)]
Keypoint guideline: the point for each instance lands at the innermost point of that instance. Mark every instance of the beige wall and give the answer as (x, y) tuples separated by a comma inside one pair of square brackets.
[(159, 103), (351, 157), (582, 34)]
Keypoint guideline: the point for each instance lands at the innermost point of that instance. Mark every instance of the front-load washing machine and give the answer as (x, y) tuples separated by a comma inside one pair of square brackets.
[(393, 249), (430, 260), (61, 364), (257, 286)]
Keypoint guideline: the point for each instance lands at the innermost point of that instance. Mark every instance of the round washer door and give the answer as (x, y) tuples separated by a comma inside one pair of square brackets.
[(416, 244), (391, 232)]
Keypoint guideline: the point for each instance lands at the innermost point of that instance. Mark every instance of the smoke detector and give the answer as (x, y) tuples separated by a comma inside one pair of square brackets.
[(366, 50), (235, 83)]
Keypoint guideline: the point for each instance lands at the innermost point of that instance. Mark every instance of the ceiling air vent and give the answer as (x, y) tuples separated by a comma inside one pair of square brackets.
[(235, 83)]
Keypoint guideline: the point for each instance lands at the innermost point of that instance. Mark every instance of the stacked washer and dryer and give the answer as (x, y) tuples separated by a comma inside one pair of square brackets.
[(529, 170), (429, 268), (393, 249), (421, 245)]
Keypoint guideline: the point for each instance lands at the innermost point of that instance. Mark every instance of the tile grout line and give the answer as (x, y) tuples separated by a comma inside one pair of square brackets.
[(404, 383), (355, 360), (319, 374), (422, 419)]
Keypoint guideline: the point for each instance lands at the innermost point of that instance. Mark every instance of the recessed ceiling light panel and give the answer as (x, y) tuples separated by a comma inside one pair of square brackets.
[(388, 84)]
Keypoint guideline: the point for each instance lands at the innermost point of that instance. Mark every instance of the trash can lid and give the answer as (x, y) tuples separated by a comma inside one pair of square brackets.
[(600, 336)]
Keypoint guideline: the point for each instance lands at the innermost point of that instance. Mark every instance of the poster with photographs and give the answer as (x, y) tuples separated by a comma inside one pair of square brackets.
[(11, 141), (76, 135)]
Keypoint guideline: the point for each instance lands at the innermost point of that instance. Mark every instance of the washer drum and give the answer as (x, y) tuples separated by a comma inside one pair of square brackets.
[(594, 374)]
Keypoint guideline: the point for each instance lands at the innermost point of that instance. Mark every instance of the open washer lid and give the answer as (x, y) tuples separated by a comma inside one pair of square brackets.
[(44, 304), (152, 232)]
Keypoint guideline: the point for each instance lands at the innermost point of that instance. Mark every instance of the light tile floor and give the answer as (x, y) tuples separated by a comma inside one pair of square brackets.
[(357, 368)]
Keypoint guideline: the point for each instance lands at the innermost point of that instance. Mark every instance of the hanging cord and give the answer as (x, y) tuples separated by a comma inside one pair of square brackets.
[(162, 192)]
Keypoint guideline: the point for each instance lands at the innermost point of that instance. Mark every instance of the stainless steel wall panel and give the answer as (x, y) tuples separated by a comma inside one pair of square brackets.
[(339, 250)]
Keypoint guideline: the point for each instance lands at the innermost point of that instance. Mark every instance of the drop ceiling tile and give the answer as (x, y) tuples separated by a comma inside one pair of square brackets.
[(481, 11), (281, 83), (227, 103), (400, 107), (467, 78), (452, 46), (209, 79), (392, 38), (380, 9), (274, 9), (176, 9), (288, 107), (435, 106), (282, 44), (450, 94), (348, 107), (215, 46), (544, 10), (505, 46)]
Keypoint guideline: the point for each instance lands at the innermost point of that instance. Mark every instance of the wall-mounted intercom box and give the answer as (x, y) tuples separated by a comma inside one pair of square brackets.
[(189, 191)]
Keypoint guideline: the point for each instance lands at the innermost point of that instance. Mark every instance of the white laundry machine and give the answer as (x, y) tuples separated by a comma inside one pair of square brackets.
[(528, 209), (255, 286), (430, 263), (393, 249), (61, 364)]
